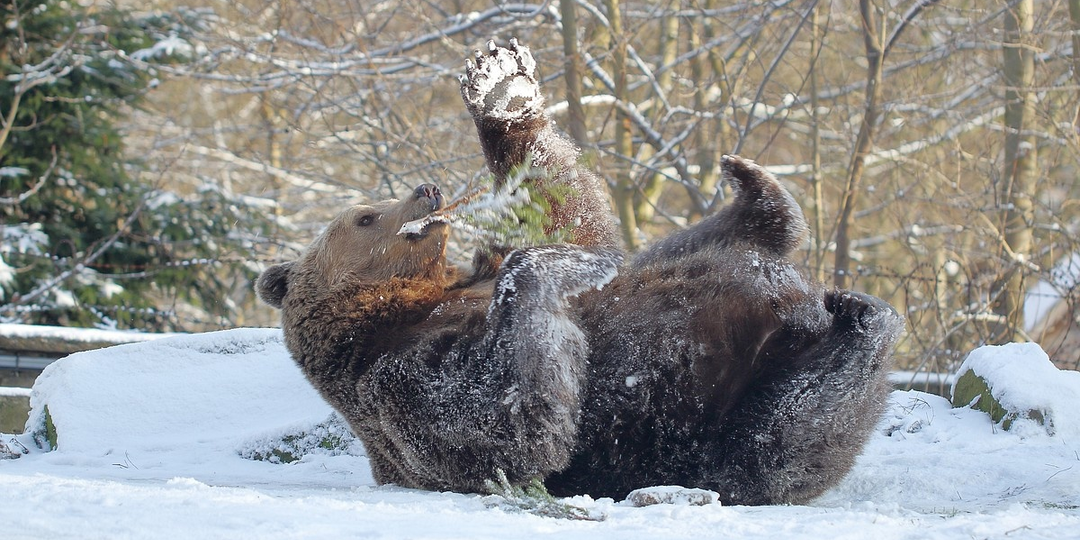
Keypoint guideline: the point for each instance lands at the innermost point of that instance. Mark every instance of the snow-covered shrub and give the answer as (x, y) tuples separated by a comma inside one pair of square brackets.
[(330, 437)]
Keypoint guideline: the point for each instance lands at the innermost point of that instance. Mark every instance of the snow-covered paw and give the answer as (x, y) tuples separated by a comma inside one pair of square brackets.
[(552, 273), (501, 84), (677, 495)]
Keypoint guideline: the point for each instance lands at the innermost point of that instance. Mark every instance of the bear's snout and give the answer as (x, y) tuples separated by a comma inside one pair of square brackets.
[(431, 193)]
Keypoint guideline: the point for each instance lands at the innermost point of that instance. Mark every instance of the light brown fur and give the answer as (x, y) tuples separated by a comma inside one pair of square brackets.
[(375, 252)]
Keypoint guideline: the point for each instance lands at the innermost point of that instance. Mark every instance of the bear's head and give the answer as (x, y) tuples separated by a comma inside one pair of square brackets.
[(363, 245)]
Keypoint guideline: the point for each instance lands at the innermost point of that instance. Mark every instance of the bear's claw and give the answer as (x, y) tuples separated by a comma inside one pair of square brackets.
[(501, 83), (861, 311), (555, 272)]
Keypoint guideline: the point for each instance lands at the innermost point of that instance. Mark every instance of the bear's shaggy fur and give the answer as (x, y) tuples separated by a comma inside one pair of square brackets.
[(707, 361)]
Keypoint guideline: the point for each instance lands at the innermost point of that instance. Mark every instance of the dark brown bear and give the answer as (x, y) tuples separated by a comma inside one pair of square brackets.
[(708, 361)]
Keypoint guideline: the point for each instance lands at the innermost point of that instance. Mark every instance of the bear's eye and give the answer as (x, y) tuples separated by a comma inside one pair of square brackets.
[(365, 220)]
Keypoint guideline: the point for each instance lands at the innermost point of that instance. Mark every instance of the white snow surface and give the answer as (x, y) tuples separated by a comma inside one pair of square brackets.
[(150, 436)]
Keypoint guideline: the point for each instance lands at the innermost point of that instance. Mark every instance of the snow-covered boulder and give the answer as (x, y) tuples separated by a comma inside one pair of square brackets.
[(203, 393), (1018, 386)]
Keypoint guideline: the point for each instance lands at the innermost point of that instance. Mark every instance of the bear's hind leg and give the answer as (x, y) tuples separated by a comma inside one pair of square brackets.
[(798, 430), (763, 217)]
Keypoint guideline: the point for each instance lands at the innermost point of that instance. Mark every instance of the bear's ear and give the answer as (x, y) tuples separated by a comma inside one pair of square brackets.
[(273, 283)]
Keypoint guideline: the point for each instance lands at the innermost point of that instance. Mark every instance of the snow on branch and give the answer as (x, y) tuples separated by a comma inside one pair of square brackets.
[(276, 172)]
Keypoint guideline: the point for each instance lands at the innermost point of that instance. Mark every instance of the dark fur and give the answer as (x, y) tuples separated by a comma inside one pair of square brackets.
[(715, 364), (707, 362)]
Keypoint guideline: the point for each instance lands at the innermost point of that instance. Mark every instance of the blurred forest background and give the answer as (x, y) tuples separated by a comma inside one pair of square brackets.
[(154, 156)]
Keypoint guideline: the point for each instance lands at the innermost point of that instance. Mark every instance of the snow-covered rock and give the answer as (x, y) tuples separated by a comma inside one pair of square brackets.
[(1018, 386), (197, 394)]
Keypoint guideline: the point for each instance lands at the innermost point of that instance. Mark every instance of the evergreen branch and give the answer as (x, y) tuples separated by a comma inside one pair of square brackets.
[(105, 246), (11, 201), (532, 498), (515, 214)]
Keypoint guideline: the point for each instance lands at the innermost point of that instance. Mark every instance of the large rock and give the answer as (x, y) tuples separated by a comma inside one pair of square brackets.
[(1017, 385), (194, 393)]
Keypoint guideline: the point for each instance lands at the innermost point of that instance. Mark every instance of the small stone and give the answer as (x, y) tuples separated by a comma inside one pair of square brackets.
[(676, 495)]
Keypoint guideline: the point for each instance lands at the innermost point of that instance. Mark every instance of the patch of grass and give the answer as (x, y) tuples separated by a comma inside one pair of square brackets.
[(1060, 506)]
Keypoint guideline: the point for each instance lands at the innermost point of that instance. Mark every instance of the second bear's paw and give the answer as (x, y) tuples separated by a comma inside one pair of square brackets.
[(501, 84)]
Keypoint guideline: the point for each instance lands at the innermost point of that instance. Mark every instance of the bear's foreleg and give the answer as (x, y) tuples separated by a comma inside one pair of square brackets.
[(503, 96), (451, 413), (798, 431), (763, 217), (535, 338), (501, 92)]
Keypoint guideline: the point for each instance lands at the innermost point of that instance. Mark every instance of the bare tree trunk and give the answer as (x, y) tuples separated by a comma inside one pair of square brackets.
[(709, 137), (624, 145), (1074, 18), (1020, 174), (576, 122), (820, 247), (875, 49), (669, 50)]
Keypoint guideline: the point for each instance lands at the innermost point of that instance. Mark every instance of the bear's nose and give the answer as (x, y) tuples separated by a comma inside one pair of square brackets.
[(431, 193)]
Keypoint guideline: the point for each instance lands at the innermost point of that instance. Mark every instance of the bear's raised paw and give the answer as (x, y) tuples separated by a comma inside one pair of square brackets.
[(748, 178), (501, 84)]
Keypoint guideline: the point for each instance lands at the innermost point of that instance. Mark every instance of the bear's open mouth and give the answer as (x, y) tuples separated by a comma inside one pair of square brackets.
[(417, 228), (431, 197)]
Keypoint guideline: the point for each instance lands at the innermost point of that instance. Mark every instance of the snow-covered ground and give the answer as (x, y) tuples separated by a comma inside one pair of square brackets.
[(155, 440)]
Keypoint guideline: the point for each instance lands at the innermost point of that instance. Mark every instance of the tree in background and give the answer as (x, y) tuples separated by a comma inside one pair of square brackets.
[(89, 238), (1019, 177)]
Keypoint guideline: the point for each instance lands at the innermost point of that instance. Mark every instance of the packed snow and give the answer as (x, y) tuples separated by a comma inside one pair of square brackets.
[(159, 440)]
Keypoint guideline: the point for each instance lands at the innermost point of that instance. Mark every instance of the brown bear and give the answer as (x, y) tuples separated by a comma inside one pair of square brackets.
[(707, 361)]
